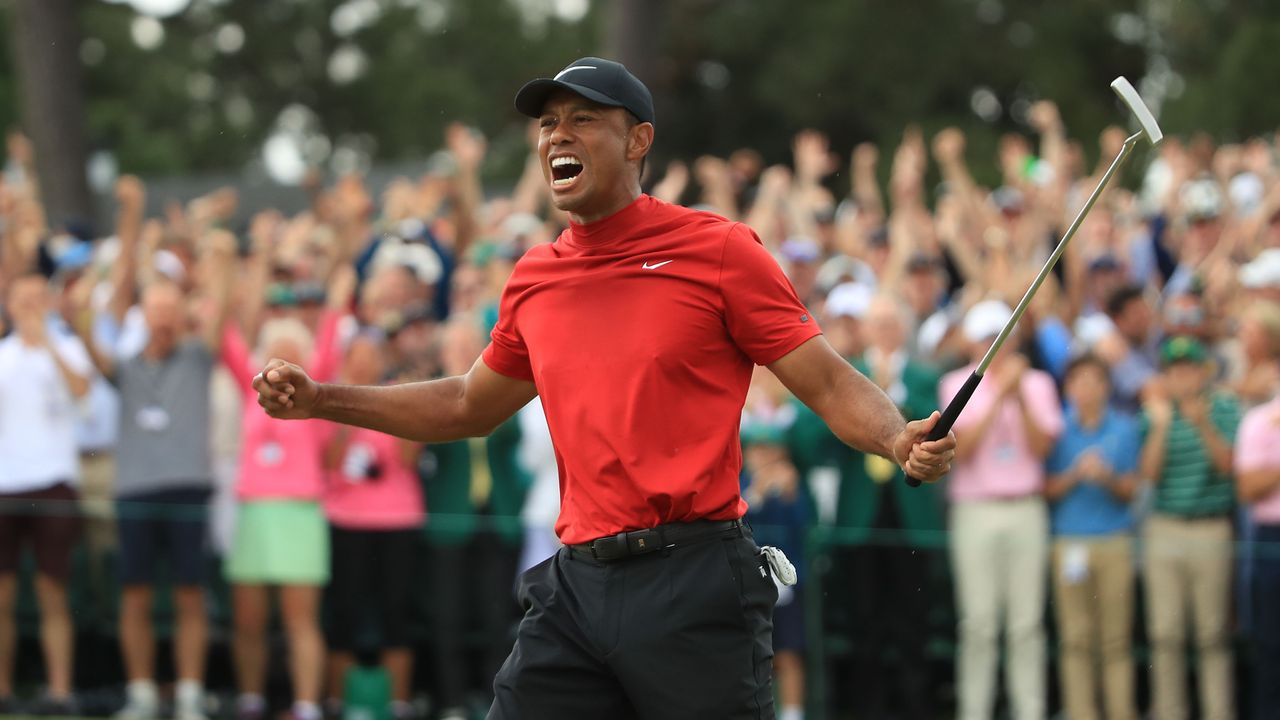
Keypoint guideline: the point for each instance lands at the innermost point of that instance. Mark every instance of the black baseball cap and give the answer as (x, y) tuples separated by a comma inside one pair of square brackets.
[(596, 79)]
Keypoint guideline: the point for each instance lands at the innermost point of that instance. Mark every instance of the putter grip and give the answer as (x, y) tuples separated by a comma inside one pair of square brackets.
[(950, 414)]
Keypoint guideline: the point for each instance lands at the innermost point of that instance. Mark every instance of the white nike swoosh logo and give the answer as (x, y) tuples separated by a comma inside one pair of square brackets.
[(647, 266), (566, 71)]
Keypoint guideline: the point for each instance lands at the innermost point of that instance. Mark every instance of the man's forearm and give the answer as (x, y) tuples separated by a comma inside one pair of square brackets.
[(430, 411), (862, 415)]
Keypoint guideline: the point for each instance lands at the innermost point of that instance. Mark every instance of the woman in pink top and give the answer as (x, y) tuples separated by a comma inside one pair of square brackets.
[(1257, 466), (375, 508), (281, 538), (999, 523)]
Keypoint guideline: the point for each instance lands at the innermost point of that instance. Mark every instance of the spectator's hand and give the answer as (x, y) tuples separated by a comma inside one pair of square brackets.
[(774, 182), (1009, 374), (1195, 410), (921, 458), (865, 157), (1044, 117), (1092, 468), (1111, 141), (948, 146), (1158, 409), (130, 193), (467, 146), (264, 230), (712, 171), (673, 183), (152, 236), (811, 153), (221, 246), (286, 392)]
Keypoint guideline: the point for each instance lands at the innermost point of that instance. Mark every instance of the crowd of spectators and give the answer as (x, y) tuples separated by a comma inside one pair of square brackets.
[(1124, 446)]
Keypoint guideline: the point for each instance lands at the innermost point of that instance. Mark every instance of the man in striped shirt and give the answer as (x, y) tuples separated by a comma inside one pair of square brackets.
[(1188, 432)]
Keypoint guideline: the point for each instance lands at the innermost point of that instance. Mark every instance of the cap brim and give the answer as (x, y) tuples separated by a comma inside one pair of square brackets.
[(534, 94)]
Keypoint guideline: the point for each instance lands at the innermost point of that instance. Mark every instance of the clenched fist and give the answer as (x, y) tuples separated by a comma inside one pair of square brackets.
[(286, 392)]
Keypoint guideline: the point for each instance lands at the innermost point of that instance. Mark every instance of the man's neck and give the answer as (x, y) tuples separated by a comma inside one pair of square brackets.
[(615, 205)]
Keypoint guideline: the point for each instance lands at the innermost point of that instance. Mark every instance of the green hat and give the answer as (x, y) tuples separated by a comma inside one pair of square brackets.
[(1182, 349)]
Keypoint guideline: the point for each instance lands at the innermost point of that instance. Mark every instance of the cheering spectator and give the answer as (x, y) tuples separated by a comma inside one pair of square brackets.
[(164, 472), (374, 505), (1129, 350), (1257, 468), (779, 511), (281, 537), (1091, 480), (475, 495), (999, 523), (899, 522), (1188, 429), (42, 374)]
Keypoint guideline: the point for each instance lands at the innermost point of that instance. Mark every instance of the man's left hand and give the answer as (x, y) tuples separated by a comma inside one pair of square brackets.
[(921, 458)]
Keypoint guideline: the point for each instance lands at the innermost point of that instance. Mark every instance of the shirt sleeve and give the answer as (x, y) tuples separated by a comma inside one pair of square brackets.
[(506, 353), (74, 354), (1128, 445), (1226, 416), (1257, 434), (1059, 458), (764, 317), (1045, 406)]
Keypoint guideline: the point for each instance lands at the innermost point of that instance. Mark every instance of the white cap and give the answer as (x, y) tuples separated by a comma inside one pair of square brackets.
[(1201, 199), (849, 300), (985, 320), (1246, 191), (1262, 271), (421, 259)]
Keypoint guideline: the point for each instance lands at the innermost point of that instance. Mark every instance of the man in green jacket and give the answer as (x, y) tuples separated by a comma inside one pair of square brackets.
[(475, 489), (889, 531)]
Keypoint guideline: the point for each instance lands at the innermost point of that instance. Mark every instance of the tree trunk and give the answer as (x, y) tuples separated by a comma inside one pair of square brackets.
[(46, 41), (632, 30)]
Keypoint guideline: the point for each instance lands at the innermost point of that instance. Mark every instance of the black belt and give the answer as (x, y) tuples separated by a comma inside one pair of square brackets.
[(663, 537)]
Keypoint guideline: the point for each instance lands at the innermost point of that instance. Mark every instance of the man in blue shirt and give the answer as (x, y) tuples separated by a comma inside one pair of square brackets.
[(1092, 476)]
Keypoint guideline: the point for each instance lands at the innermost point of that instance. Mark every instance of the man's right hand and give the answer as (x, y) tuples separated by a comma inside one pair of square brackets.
[(286, 392)]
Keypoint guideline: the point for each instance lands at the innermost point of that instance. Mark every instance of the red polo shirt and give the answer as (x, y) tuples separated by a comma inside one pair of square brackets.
[(640, 332)]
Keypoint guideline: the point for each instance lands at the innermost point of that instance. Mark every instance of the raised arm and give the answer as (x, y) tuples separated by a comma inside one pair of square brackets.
[(220, 254), (468, 148), (131, 195), (444, 410), (859, 412)]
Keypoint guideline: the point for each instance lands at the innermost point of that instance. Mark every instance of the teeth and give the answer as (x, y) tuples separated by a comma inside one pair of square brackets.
[(565, 181), (565, 160)]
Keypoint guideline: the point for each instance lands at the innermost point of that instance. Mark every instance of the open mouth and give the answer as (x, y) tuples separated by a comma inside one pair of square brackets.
[(565, 170)]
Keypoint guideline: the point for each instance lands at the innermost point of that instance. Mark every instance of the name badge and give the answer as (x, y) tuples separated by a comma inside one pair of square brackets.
[(1075, 563), (153, 418), (270, 454)]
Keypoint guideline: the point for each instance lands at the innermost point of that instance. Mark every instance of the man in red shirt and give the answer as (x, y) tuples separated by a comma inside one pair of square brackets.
[(638, 327)]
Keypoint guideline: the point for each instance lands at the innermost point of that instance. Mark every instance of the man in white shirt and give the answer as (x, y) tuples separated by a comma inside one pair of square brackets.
[(41, 378)]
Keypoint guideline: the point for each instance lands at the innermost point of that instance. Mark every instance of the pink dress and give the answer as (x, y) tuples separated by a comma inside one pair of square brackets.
[(281, 459)]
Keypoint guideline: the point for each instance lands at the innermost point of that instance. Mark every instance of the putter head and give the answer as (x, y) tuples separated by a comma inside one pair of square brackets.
[(1139, 109)]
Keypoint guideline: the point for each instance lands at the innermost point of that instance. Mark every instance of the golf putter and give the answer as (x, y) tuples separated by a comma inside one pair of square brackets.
[(1148, 129)]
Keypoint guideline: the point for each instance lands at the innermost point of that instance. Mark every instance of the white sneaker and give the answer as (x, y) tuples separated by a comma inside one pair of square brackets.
[(189, 713), (134, 710)]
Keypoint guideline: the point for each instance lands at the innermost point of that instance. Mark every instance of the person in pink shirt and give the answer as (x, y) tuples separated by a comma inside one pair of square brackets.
[(281, 538), (999, 522), (374, 503), (1257, 470)]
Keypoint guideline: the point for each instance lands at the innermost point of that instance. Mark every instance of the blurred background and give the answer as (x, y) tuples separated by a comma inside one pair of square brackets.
[(193, 186)]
